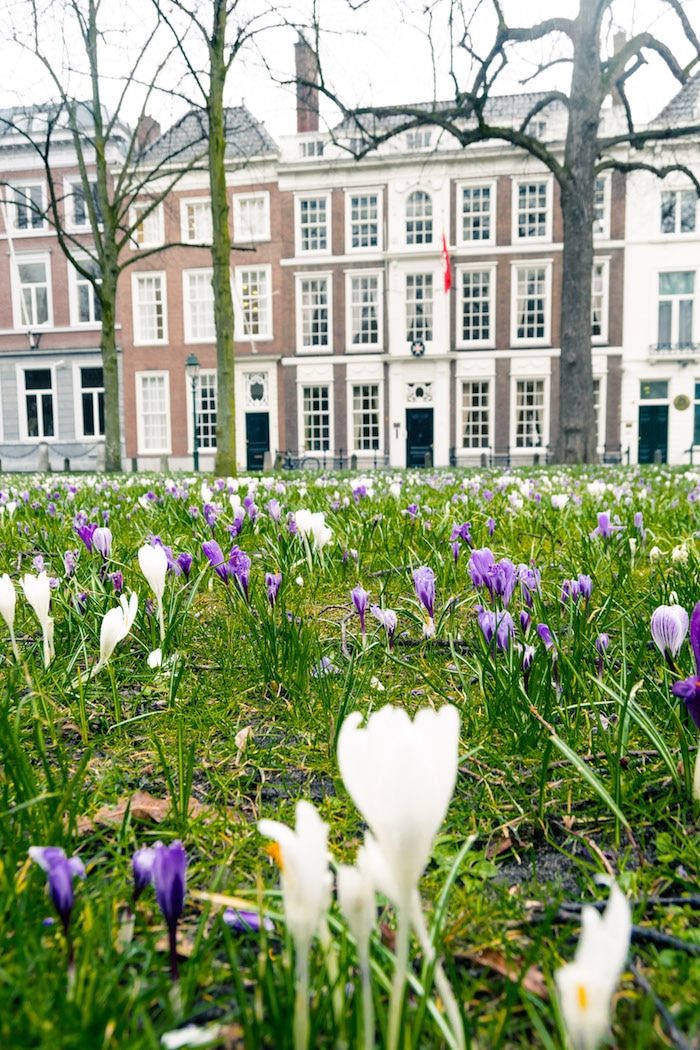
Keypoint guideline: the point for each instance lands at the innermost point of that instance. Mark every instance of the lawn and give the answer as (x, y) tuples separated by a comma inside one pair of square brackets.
[(243, 678)]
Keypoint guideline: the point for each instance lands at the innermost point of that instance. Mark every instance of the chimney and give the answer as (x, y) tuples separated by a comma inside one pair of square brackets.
[(147, 131), (619, 41), (306, 63)]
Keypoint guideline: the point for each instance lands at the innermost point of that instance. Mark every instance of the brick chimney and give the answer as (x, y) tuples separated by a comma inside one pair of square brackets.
[(619, 41), (306, 63), (147, 131)]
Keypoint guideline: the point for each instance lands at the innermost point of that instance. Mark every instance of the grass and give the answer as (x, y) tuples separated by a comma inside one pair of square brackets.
[(565, 774)]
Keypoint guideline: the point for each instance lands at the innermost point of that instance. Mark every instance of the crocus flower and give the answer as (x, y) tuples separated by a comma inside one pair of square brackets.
[(244, 921), (153, 562), (388, 620), (601, 643), (605, 528), (587, 984), (169, 873), (85, 532), (60, 871), (184, 563), (8, 600), (102, 542), (215, 556), (116, 624), (669, 626), (272, 582), (480, 563), (239, 568), (689, 690), (424, 583), (37, 591), (142, 869), (360, 598)]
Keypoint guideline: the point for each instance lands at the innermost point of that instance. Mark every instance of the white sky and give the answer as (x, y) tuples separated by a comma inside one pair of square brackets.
[(379, 53)]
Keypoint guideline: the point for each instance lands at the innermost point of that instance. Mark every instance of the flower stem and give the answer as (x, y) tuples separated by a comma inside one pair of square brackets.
[(367, 1002), (301, 1001), (696, 776), (172, 939), (398, 985)]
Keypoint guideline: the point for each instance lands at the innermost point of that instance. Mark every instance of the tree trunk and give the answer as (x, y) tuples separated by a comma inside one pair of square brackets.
[(225, 462), (577, 440), (110, 371)]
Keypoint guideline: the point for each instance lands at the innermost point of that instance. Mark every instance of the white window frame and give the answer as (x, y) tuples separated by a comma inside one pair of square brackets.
[(427, 219), (75, 282), (298, 239), (201, 272), (531, 264), (353, 447), (205, 449), (148, 234), (193, 234), (480, 184), (678, 193), (165, 449), (300, 279), (471, 381), (428, 301), (420, 138), (69, 187), (604, 265), (350, 224), (242, 231), (600, 415), (536, 180), (136, 278), (15, 198), (601, 226), (675, 299), (473, 344), (31, 258), (527, 450), (242, 327), (22, 369), (358, 275), (303, 384), (78, 389)]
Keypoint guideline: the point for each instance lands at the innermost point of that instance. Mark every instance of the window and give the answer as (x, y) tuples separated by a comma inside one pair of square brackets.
[(475, 414), (678, 209), (26, 208), (601, 206), (531, 211), (313, 312), (38, 399), (531, 304), (419, 307), (312, 224), (477, 213), (599, 302), (34, 294), (149, 308), (365, 416), (529, 413), (419, 218), (86, 308), (676, 293), (195, 221), (477, 287), (147, 221), (153, 412), (363, 221), (311, 148), (78, 207), (364, 310), (251, 217), (256, 303), (316, 419), (206, 409), (419, 139), (92, 402), (696, 410), (598, 417), (199, 306), (653, 390)]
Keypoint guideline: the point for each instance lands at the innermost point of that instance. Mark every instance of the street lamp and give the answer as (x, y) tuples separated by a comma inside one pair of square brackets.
[(192, 370)]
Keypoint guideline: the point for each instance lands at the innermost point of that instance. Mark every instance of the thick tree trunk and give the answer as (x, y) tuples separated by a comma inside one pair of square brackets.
[(577, 440), (225, 462), (110, 371)]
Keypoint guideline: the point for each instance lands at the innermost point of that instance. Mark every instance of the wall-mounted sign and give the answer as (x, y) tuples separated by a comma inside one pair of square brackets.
[(681, 402)]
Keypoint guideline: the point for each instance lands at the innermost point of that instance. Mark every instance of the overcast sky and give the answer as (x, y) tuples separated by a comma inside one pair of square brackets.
[(380, 53)]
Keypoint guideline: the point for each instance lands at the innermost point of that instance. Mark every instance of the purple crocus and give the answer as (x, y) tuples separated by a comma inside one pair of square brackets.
[(525, 621), (601, 643), (184, 562), (360, 599), (480, 563), (274, 510), (529, 578), (215, 556), (142, 869), (490, 526), (243, 921), (605, 528), (169, 873), (463, 532), (669, 626), (528, 657), (272, 582), (495, 625), (388, 620), (689, 689), (102, 542), (239, 568), (85, 532), (60, 872), (70, 560), (424, 583), (501, 579)]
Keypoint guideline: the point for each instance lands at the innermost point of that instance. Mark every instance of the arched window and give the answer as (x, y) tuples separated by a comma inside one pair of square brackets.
[(419, 218)]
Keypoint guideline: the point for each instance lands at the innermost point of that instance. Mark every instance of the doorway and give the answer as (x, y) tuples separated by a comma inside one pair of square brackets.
[(653, 434), (419, 436), (257, 439)]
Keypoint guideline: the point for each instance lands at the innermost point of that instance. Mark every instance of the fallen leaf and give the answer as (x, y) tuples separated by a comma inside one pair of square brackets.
[(148, 809), (532, 980), (499, 847)]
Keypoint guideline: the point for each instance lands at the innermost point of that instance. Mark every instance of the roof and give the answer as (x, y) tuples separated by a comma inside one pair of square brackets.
[(684, 108), (245, 137)]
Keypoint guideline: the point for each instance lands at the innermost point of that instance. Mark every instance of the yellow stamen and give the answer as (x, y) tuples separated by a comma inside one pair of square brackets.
[(582, 996), (274, 851)]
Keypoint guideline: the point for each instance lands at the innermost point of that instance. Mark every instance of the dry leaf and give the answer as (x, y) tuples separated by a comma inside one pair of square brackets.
[(499, 847), (532, 981)]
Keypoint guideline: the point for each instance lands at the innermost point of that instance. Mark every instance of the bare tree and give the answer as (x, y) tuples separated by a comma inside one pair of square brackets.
[(106, 152), (579, 44)]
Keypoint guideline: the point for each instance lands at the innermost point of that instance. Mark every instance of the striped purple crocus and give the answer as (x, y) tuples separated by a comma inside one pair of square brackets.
[(601, 643), (360, 599), (272, 582), (424, 583), (388, 620), (669, 626)]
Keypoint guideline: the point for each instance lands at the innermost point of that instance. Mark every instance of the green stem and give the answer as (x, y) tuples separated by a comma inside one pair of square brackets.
[(696, 776), (301, 1000), (398, 985), (441, 983), (367, 1002)]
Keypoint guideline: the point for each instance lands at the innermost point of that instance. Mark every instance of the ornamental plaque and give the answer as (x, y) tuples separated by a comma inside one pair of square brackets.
[(681, 402)]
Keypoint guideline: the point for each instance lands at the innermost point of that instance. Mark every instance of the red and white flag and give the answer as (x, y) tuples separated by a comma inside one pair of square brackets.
[(446, 268)]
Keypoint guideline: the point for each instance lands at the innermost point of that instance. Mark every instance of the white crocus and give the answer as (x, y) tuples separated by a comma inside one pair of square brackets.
[(312, 525), (116, 624), (37, 591), (302, 854), (401, 775), (587, 984), (8, 600), (154, 565)]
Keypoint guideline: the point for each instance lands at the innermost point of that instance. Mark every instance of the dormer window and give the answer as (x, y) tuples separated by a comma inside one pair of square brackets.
[(311, 148), (421, 138)]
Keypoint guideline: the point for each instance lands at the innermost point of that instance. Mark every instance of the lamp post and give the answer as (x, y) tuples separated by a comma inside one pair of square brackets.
[(192, 370)]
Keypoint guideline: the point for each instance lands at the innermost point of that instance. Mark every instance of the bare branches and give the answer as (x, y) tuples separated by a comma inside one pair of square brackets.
[(660, 171)]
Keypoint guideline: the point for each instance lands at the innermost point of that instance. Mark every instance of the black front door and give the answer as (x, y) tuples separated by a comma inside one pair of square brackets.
[(257, 439), (653, 433), (419, 436)]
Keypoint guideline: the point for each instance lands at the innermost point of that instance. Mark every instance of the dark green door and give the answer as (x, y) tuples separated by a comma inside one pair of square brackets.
[(257, 439), (419, 436), (653, 433)]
